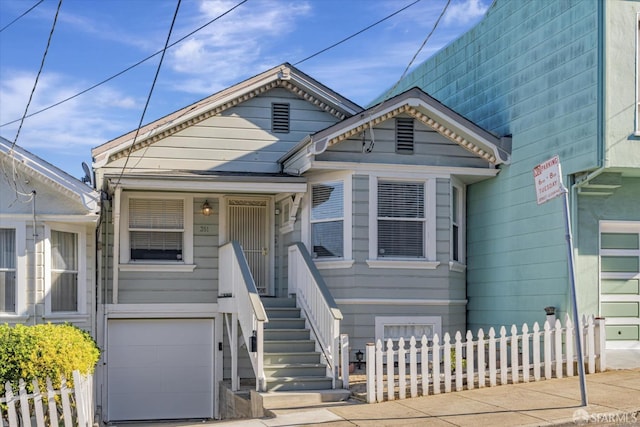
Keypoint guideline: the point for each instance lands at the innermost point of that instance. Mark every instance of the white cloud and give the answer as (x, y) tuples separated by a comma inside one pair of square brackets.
[(80, 123), (464, 12), (233, 45)]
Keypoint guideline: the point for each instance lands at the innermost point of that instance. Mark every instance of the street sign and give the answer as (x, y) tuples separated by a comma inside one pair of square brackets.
[(548, 180)]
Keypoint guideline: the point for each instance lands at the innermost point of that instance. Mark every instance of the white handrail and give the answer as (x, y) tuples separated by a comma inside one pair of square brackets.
[(236, 284), (319, 307)]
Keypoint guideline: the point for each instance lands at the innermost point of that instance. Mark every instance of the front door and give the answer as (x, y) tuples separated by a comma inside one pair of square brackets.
[(248, 223)]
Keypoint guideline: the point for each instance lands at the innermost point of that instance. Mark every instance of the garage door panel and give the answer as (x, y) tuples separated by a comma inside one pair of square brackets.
[(160, 369)]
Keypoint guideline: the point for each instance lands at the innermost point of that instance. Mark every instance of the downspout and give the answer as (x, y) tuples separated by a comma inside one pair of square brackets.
[(35, 256), (116, 244), (600, 129)]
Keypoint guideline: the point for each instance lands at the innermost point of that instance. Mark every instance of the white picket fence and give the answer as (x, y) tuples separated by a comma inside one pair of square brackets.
[(400, 371), (27, 409)]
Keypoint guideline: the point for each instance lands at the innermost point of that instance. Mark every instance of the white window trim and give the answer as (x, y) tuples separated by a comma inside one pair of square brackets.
[(347, 260), (460, 264), (82, 268), (382, 321), (126, 264), (429, 262), (637, 115), (21, 312)]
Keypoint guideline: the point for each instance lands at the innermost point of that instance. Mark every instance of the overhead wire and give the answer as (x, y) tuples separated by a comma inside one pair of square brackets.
[(153, 84), (192, 33), (35, 84), (26, 12), (357, 33), (118, 74), (404, 73)]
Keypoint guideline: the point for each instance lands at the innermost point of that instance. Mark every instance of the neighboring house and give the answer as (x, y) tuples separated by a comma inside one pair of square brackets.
[(562, 78), (48, 225), (359, 215)]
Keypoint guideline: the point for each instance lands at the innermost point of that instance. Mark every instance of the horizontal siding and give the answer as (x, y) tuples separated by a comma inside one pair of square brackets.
[(238, 139), (528, 69), (359, 320), (430, 148), (199, 286)]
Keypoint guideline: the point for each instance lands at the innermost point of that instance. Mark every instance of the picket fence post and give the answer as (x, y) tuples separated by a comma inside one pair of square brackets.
[(492, 357), (547, 350), (402, 377), (558, 348), (424, 359), (458, 353), (413, 368), (515, 371), (436, 364), (379, 372), (371, 372), (525, 353), (470, 365), (503, 356), (481, 361), (570, 336), (447, 363)]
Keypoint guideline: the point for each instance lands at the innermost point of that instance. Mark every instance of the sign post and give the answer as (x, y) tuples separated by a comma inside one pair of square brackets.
[(548, 183)]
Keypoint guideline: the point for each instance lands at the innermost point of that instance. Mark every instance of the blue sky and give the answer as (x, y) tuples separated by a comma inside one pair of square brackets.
[(94, 40)]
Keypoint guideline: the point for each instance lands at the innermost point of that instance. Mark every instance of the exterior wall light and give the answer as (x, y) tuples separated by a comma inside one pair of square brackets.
[(206, 208)]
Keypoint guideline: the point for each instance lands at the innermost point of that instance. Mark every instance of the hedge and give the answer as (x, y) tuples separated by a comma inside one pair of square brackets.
[(46, 350)]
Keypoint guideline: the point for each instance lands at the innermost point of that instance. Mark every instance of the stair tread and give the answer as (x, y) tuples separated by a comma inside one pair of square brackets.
[(296, 365)]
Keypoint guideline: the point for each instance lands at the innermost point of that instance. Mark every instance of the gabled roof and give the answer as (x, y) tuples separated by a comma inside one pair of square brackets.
[(423, 107), (56, 178), (285, 76)]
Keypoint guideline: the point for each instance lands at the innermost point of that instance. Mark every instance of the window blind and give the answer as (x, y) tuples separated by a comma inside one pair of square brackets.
[(327, 219), (156, 229), (401, 219), (7, 270), (64, 271)]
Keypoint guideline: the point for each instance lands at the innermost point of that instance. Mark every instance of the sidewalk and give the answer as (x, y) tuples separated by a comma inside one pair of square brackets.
[(613, 397)]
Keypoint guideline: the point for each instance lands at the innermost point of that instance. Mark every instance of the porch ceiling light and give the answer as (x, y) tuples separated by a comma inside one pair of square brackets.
[(206, 208)]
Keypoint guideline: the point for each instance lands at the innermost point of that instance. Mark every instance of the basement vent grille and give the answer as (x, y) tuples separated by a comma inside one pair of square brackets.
[(280, 118), (404, 135)]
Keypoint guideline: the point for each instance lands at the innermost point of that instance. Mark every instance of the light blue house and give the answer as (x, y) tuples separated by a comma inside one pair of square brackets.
[(560, 77)]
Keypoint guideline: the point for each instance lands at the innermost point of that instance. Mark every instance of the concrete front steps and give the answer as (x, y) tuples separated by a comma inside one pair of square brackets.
[(295, 374)]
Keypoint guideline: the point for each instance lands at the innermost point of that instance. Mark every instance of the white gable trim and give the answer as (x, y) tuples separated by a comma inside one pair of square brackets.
[(59, 180)]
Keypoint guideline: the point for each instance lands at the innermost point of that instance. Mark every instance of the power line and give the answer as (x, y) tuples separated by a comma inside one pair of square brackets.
[(356, 34), (108, 79), (55, 19), (28, 10), (153, 85)]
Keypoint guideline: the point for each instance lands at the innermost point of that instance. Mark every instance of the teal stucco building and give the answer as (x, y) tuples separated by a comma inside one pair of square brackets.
[(560, 77)]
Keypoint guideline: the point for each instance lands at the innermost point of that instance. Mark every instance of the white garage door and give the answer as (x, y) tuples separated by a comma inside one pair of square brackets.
[(160, 369)]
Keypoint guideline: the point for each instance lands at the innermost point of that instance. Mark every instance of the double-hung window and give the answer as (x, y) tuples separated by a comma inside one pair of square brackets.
[(65, 269), (401, 219), (327, 219), (401, 222), (8, 263), (458, 234), (156, 229), (156, 232)]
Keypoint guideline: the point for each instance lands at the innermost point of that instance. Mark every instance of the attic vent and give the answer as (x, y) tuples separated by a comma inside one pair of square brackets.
[(280, 118), (404, 135)]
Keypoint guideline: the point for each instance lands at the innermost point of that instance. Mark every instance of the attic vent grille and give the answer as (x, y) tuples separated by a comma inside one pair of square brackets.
[(280, 118), (404, 135)]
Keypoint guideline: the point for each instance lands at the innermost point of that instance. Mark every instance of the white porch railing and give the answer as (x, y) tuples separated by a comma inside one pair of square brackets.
[(318, 307), (443, 366), (40, 407), (240, 302)]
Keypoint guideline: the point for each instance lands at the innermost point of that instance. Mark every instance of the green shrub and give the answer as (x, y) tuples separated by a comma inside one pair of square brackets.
[(43, 351)]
